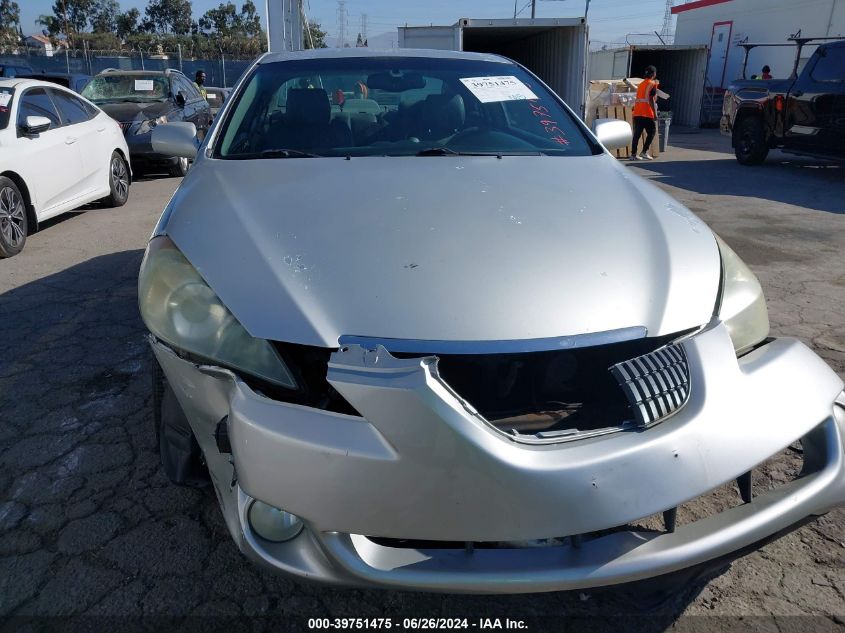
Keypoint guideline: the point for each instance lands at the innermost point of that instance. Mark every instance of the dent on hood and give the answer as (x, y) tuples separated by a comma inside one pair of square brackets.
[(498, 250)]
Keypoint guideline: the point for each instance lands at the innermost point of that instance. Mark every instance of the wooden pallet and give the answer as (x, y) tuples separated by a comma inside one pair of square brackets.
[(623, 113)]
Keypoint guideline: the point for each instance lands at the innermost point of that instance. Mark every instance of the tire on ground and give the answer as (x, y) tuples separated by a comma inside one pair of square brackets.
[(14, 224), (750, 144), (118, 182), (180, 168), (180, 454)]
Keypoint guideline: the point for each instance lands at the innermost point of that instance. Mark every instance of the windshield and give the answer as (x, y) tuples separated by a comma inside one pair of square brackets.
[(6, 95), (401, 106), (116, 87)]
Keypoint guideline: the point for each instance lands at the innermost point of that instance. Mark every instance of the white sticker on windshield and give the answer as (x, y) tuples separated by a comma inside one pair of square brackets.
[(142, 85), (490, 89), (211, 95), (5, 98)]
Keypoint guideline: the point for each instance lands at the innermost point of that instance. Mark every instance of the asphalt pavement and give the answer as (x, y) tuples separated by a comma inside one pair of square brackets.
[(90, 525)]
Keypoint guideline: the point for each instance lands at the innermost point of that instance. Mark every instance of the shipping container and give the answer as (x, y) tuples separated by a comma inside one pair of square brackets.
[(554, 49), (680, 69)]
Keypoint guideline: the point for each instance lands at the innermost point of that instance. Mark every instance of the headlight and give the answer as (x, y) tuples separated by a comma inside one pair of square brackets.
[(179, 308), (743, 306), (147, 126)]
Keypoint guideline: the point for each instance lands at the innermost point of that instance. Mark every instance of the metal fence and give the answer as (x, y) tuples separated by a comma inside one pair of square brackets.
[(223, 72)]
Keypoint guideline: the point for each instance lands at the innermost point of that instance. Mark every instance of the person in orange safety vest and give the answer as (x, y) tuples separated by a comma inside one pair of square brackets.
[(645, 114)]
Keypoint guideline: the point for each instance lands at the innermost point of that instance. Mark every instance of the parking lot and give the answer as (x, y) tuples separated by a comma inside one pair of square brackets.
[(90, 525)]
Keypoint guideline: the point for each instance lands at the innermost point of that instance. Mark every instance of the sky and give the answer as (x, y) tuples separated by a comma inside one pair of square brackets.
[(609, 20)]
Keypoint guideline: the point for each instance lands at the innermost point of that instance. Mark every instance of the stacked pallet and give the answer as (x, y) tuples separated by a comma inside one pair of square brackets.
[(623, 113)]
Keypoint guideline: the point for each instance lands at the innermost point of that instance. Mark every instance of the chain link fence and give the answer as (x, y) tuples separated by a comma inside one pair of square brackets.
[(222, 71)]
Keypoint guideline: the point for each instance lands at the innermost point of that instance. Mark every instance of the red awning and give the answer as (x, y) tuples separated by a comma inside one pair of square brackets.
[(698, 4)]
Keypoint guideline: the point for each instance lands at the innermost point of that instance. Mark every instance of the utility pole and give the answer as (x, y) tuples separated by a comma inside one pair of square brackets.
[(533, 9), (341, 23), (364, 28), (284, 25), (67, 33)]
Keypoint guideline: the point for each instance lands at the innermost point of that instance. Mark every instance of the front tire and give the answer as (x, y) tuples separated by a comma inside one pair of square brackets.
[(13, 221), (118, 182), (750, 144), (181, 167), (180, 454)]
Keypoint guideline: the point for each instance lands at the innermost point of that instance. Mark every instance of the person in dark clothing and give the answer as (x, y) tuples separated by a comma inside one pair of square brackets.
[(645, 114), (199, 82)]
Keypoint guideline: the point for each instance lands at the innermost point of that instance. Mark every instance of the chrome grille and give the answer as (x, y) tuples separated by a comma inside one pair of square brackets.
[(656, 384), (125, 127)]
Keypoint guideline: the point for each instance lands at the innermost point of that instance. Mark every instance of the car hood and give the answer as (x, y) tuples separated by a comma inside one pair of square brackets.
[(443, 248), (128, 111)]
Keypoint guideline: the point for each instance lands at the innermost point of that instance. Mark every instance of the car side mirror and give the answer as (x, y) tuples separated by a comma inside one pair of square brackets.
[(175, 139), (36, 124), (180, 99), (613, 133)]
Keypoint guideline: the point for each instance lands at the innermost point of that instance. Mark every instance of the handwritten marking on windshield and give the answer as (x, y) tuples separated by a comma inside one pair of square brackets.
[(550, 127)]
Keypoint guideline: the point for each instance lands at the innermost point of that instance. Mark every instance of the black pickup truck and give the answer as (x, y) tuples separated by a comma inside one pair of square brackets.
[(800, 115)]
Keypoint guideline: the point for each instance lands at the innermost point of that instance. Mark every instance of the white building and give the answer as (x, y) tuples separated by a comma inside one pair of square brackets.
[(722, 24), (39, 44)]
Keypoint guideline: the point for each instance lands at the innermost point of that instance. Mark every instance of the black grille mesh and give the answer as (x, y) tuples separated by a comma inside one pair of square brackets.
[(656, 384)]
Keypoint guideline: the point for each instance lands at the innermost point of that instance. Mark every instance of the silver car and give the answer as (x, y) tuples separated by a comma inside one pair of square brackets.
[(423, 331)]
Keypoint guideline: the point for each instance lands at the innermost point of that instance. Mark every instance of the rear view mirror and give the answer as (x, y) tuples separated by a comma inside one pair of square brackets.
[(613, 133), (175, 139), (36, 124), (390, 82)]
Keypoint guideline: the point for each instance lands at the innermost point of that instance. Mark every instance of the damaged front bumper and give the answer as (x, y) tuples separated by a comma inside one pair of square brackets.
[(420, 464)]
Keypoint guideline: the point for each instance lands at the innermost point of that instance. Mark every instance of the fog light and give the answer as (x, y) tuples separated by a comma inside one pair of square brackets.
[(273, 524)]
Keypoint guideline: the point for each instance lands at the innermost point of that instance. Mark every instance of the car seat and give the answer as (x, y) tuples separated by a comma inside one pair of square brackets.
[(307, 123), (443, 115)]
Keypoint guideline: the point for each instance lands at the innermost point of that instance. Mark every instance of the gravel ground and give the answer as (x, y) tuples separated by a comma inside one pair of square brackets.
[(89, 525)]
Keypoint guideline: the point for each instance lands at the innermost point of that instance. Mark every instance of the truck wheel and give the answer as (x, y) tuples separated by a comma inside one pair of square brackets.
[(750, 142)]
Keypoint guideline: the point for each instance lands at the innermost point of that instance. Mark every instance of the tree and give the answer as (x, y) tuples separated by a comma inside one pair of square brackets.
[(168, 16), (96, 41), (73, 15), (126, 24), (250, 19), (223, 21), (51, 24), (10, 15), (315, 37), (104, 14)]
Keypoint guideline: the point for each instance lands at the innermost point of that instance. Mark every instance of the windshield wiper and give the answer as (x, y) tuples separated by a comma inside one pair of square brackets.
[(447, 151), (286, 153), (273, 153), (437, 151)]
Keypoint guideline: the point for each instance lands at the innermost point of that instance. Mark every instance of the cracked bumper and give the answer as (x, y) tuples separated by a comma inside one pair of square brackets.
[(420, 464)]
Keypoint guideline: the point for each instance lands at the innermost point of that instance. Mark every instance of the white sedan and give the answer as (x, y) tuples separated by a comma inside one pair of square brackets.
[(58, 152)]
